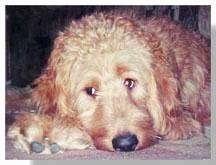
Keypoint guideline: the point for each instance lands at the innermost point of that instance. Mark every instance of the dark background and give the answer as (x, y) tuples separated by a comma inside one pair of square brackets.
[(31, 30)]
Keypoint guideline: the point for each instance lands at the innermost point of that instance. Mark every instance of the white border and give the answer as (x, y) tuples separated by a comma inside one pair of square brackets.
[(87, 2), (109, 2), (2, 81), (213, 78)]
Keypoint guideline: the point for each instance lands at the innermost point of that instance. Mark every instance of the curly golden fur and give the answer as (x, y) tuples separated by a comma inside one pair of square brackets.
[(111, 77)]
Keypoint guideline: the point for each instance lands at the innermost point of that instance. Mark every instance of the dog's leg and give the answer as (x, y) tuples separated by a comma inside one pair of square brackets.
[(65, 135)]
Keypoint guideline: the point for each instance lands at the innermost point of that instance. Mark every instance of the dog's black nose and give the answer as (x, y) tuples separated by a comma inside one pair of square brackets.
[(125, 143)]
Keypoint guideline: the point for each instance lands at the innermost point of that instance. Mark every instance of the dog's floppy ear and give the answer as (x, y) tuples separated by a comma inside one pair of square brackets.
[(164, 88), (165, 73), (166, 79), (48, 94)]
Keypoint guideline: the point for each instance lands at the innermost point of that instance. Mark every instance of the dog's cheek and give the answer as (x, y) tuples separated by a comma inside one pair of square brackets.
[(96, 125), (91, 115), (145, 141), (139, 96), (86, 109), (145, 133)]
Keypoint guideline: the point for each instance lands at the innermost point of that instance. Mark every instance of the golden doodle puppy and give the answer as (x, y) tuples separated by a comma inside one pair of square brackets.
[(118, 83)]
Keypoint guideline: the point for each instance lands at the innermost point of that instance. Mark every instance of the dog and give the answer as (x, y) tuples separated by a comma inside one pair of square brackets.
[(118, 83)]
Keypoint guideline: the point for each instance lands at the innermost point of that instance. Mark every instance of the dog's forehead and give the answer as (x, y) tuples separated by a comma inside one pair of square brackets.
[(109, 67), (119, 61)]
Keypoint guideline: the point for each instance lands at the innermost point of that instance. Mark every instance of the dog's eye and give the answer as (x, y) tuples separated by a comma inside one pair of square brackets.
[(90, 91), (129, 83)]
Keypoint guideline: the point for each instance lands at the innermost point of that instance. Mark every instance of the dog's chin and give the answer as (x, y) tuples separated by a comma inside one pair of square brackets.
[(101, 143)]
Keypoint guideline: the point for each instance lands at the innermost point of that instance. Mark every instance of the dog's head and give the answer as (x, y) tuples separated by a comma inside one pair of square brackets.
[(101, 72)]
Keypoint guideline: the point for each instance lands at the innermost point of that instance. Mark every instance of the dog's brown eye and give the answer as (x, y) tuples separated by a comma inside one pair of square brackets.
[(129, 83), (90, 91)]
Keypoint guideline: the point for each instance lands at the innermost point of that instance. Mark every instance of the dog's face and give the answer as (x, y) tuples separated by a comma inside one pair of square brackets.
[(110, 92), (102, 70)]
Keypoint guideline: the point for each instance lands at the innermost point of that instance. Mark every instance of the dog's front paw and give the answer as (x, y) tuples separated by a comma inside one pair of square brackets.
[(27, 133), (24, 144)]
